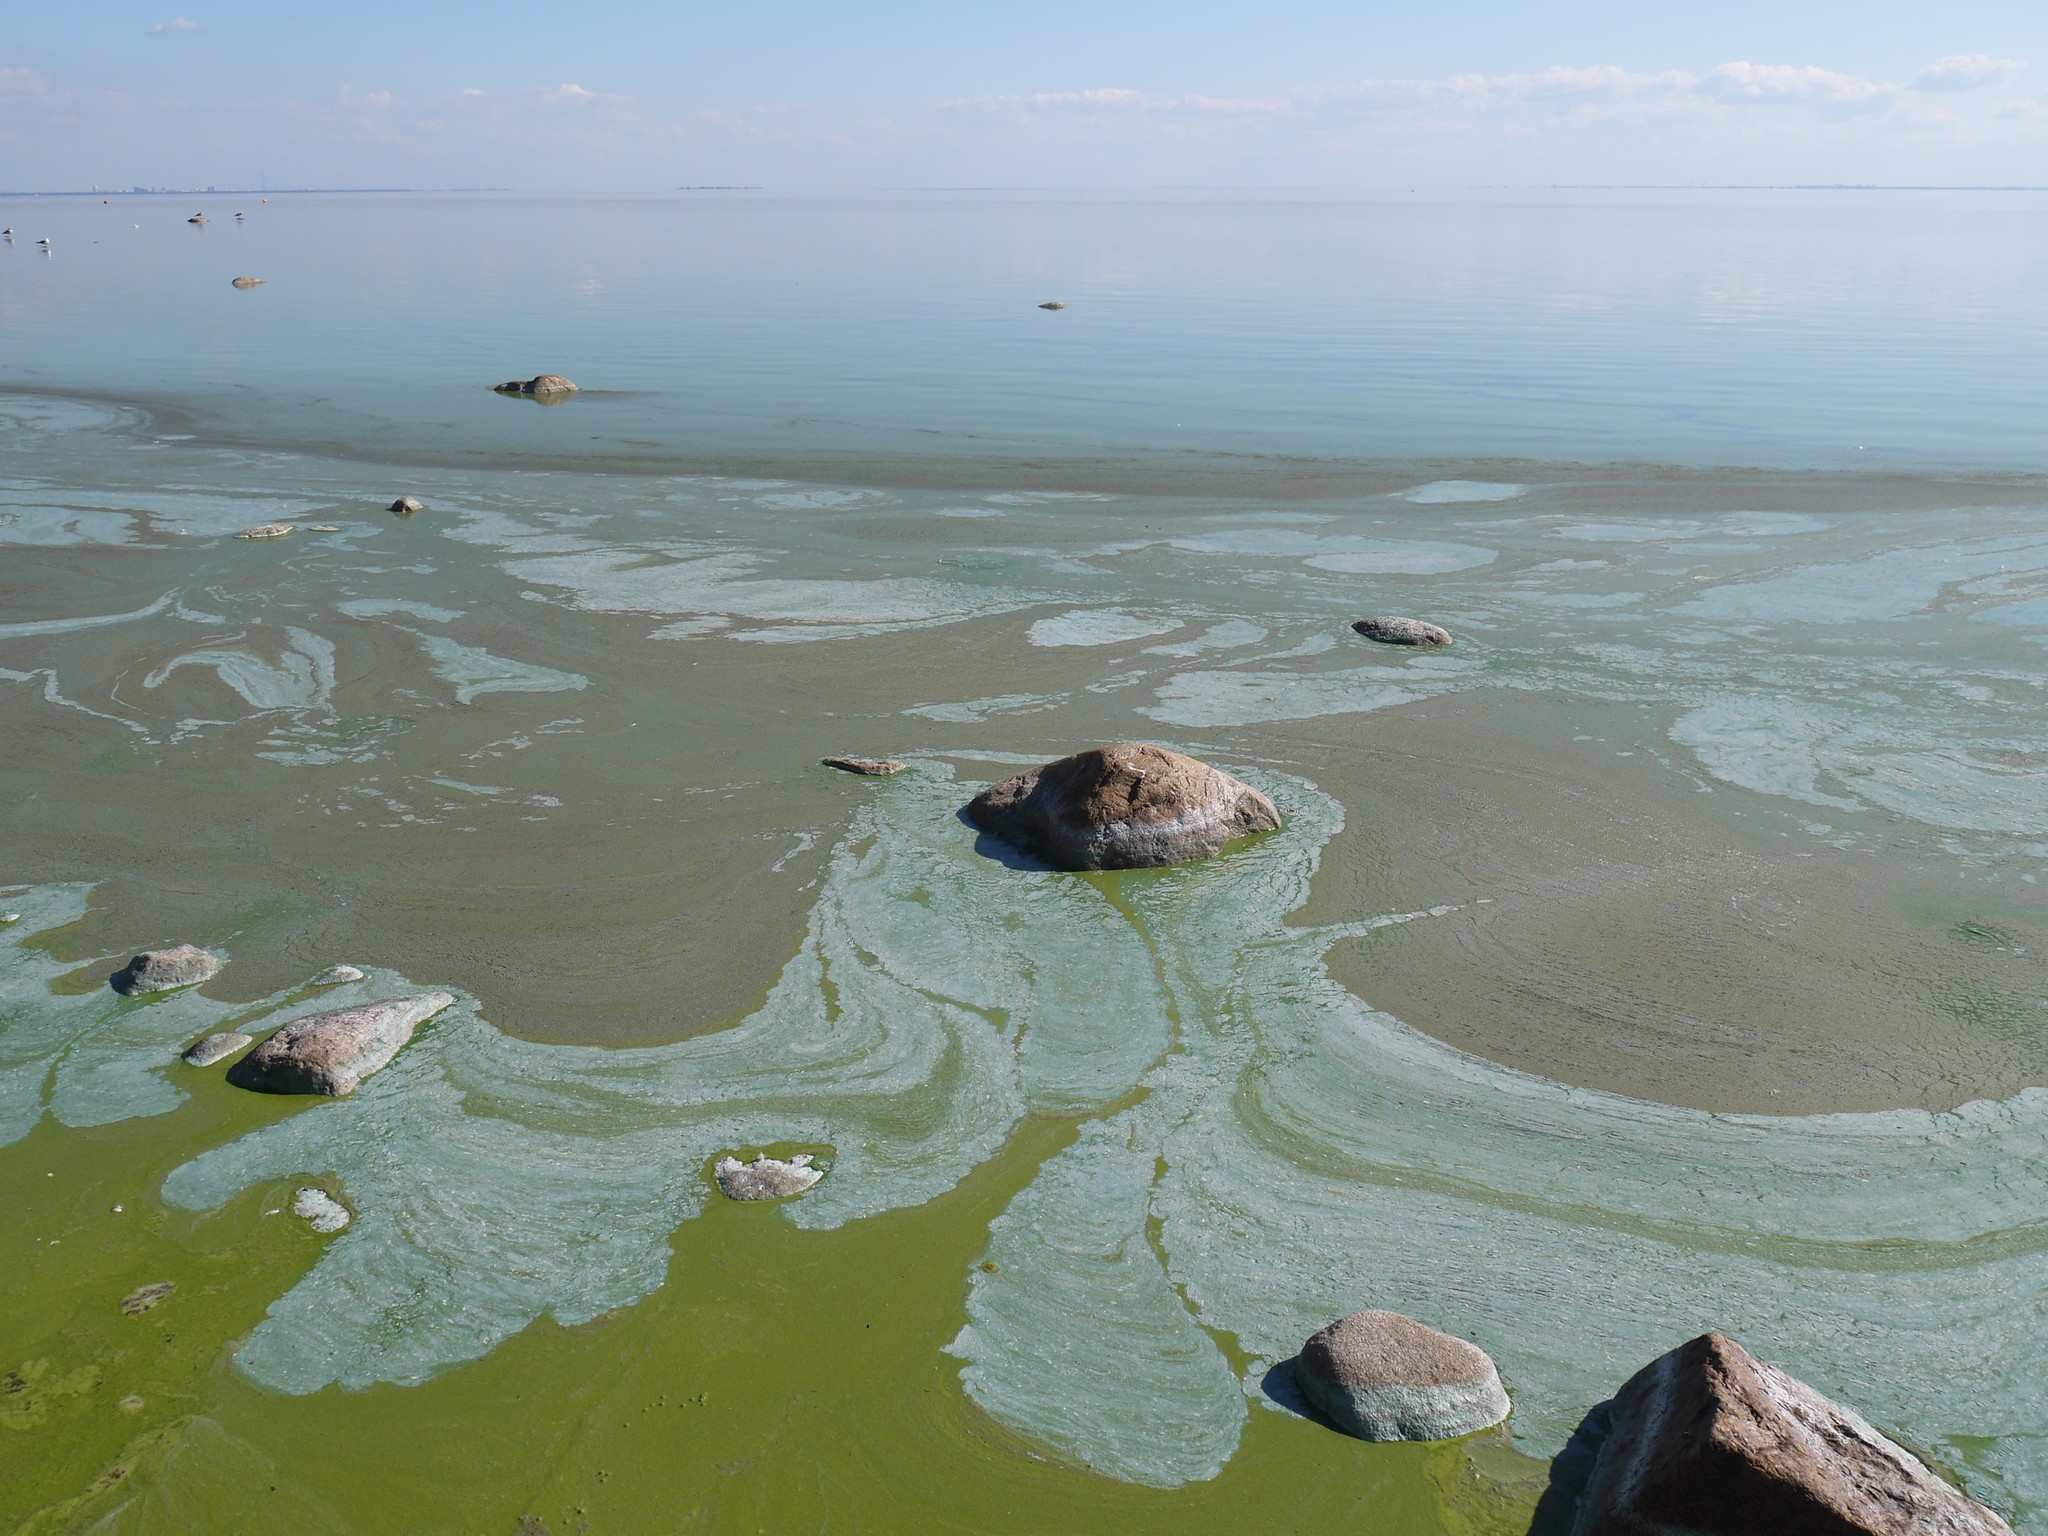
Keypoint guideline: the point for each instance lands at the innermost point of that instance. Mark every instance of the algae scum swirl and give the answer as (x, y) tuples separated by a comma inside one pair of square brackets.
[(1258, 1152)]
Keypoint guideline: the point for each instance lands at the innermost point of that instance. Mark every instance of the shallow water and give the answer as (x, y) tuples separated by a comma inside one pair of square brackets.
[(1663, 955)]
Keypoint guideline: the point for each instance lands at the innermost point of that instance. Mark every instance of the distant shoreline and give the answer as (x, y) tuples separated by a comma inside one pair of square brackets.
[(111, 192)]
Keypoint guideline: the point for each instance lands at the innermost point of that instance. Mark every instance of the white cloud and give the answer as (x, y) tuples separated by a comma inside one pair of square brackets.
[(470, 90), (1966, 72), (1744, 81), (23, 81), (175, 27)]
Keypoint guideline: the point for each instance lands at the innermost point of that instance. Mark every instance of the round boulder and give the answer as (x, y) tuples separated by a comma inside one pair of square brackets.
[(204, 1053), (1382, 1376), (539, 384), (1125, 806), (158, 970), (1391, 630)]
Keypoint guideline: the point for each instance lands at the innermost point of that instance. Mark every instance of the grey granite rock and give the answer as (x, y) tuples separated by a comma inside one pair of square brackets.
[(330, 1053), (873, 766), (1391, 630), (265, 531), (405, 506), (539, 384), (1125, 806), (158, 970), (335, 975), (1708, 1440), (204, 1053), (766, 1178), (1052, 304), (1382, 1376)]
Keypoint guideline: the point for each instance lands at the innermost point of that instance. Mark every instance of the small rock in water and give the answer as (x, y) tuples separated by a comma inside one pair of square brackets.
[(142, 1298), (539, 384), (330, 1053), (1390, 630), (215, 1048), (323, 528), (265, 531), (335, 975), (875, 766), (8, 919), (1708, 1440), (766, 1178), (1382, 1376), (405, 506), (1125, 806), (158, 970), (247, 282), (320, 1210), (1052, 304)]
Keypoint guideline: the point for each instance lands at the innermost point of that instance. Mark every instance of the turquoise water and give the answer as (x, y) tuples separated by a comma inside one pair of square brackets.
[(1665, 954)]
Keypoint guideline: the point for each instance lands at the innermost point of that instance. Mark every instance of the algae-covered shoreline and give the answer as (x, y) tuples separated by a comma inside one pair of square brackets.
[(1701, 820)]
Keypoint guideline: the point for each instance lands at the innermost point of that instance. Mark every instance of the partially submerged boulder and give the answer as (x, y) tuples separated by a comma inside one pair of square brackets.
[(247, 282), (265, 531), (204, 1053), (1708, 1440), (1052, 304), (320, 1210), (1382, 1376), (875, 767), (1125, 806), (158, 970), (1389, 629), (406, 506), (335, 975), (539, 384), (766, 1178), (332, 1052)]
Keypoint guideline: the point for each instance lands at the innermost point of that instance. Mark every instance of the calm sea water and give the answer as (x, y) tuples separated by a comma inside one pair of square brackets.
[(1817, 330), (1666, 954)]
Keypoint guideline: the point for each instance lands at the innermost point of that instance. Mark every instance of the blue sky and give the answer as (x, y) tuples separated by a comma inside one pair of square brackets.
[(624, 97)]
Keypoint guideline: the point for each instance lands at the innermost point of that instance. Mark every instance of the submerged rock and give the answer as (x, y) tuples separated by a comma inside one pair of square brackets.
[(320, 1210), (1125, 806), (874, 766), (265, 531), (539, 384), (405, 506), (1391, 630), (323, 528), (766, 1178), (335, 975), (9, 919), (158, 970), (332, 1052), (1052, 304), (145, 1298), (205, 1053), (247, 282), (1708, 1440), (1382, 1376)]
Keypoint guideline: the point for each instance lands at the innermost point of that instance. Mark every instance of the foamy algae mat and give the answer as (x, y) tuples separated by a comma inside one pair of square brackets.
[(1259, 1151)]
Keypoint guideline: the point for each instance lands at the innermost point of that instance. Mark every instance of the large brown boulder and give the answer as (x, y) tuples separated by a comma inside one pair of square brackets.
[(1124, 806), (1710, 1441), (539, 384), (331, 1053), (1382, 1376)]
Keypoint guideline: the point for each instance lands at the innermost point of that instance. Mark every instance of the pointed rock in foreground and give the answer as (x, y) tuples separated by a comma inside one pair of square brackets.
[(331, 1053), (1125, 806), (1710, 1441)]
